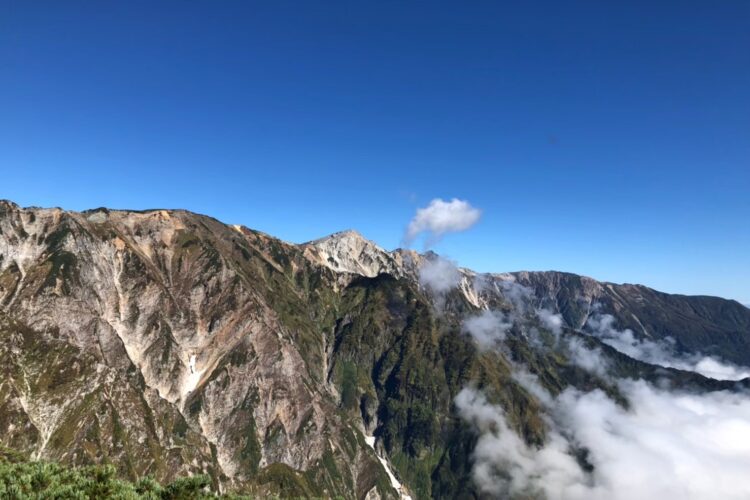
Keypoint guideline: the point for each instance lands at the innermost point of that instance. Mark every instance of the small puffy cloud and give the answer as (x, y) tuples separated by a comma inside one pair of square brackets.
[(441, 217)]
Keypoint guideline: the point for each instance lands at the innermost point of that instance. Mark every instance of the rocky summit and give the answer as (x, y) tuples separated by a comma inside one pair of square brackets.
[(169, 344)]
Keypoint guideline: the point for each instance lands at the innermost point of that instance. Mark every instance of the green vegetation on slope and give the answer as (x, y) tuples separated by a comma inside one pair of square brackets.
[(21, 479)]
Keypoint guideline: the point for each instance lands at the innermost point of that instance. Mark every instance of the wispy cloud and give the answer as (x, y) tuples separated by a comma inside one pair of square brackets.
[(439, 275), (488, 328), (661, 353)]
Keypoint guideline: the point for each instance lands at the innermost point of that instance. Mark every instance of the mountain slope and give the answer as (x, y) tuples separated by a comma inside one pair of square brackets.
[(169, 343), (194, 334)]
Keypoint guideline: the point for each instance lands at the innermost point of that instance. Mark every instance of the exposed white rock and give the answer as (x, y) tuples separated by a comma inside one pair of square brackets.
[(97, 217), (468, 289), (370, 440), (349, 252), (193, 377), (20, 244), (133, 291)]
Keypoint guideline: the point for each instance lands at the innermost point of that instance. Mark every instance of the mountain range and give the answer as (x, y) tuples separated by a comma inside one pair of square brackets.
[(168, 343)]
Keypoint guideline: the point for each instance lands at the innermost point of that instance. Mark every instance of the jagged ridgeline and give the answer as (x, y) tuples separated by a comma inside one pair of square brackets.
[(169, 344)]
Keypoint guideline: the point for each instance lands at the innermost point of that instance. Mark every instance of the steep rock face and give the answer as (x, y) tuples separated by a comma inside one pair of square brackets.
[(185, 317), (169, 343)]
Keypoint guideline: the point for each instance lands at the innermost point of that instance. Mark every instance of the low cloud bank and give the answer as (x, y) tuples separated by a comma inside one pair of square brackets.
[(667, 445), (503, 463), (661, 353), (439, 218)]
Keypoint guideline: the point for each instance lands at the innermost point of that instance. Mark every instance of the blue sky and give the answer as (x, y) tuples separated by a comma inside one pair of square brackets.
[(610, 139)]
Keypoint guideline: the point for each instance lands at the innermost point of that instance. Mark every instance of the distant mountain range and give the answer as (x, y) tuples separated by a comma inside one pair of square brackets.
[(168, 343)]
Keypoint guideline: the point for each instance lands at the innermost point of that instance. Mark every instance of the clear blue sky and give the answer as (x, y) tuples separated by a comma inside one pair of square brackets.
[(610, 139)]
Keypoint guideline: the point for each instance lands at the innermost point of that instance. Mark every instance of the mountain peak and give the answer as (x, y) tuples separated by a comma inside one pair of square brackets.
[(350, 252), (338, 236), (8, 204)]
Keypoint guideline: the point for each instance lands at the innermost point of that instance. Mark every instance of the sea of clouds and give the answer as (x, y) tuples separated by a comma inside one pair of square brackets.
[(666, 444)]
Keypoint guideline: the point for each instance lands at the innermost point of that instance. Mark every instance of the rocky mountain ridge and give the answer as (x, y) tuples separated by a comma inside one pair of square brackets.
[(169, 343), (349, 252)]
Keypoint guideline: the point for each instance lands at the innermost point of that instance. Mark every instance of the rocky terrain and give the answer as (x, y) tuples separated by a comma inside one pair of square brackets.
[(168, 343)]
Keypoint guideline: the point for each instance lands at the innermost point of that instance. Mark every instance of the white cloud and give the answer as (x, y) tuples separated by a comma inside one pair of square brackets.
[(721, 370), (670, 445), (441, 217), (503, 463), (552, 321), (519, 296), (488, 328), (439, 275), (667, 445), (661, 353), (588, 359)]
